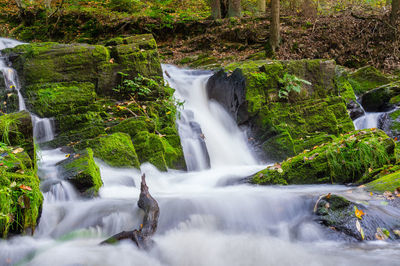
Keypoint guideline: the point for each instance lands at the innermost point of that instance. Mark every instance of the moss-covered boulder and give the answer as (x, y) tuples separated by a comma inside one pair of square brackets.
[(52, 99), (39, 63), (157, 150), (385, 180), (382, 98), (81, 170), (359, 221), (346, 159), (367, 78), (116, 150), (16, 130), (283, 121), (20, 196)]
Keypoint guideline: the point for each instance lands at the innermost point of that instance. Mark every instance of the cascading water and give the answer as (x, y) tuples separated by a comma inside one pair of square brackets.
[(202, 221), (204, 120), (43, 129)]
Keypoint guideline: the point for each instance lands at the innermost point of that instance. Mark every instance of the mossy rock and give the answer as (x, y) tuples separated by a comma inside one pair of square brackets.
[(284, 127), (52, 99), (344, 160), (116, 150), (157, 150), (39, 63), (133, 125), (367, 78), (81, 170), (382, 98), (20, 196), (8, 100), (16, 130), (388, 182)]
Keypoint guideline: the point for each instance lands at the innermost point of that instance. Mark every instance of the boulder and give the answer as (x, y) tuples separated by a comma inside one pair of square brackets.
[(284, 126), (346, 159), (374, 222), (81, 170), (367, 78), (355, 110), (39, 63), (381, 99), (116, 150)]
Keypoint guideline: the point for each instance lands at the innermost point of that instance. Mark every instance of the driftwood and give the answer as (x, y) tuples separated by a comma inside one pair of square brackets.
[(142, 236)]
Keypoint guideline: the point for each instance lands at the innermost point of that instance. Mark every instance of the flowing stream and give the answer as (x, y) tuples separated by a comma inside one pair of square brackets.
[(207, 217)]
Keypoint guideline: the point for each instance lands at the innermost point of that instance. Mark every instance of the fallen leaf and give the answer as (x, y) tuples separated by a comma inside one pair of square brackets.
[(327, 205), (359, 229), (371, 194), (13, 184), (67, 155), (20, 171), (328, 196), (369, 170), (17, 150), (25, 187), (382, 233), (77, 155), (396, 232), (358, 213)]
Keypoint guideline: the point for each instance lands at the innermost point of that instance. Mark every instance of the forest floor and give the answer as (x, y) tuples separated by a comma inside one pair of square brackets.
[(351, 40)]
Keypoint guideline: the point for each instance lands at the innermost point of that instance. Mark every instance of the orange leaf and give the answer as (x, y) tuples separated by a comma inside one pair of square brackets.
[(25, 187), (359, 213)]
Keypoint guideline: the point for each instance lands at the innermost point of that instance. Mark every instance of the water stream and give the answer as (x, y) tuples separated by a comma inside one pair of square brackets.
[(204, 220)]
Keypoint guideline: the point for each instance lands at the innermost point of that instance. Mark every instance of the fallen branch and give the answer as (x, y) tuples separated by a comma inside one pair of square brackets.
[(141, 237)]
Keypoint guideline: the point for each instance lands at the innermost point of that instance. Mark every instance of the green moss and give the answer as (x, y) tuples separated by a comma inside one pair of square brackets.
[(20, 196), (367, 78), (157, 150), (116, 150), (16, 130), (389, 182), (344, 160), (82, 171), (51, 99)]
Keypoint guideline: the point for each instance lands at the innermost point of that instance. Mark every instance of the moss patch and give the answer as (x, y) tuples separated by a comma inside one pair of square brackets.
[(81, 170), (116, 150), (344, 160)]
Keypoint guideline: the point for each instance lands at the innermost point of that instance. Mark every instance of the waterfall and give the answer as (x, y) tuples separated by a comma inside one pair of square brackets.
[(203, 121), (43, 128), (204, 219)]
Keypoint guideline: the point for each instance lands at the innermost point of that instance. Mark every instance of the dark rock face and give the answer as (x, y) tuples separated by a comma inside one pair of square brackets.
[(381, 99), (229, 91), (355, 110), (339, 214)]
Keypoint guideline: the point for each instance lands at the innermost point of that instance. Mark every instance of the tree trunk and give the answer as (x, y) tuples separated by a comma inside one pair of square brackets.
[(394, 15), (261, 6), (274, 37), (234, 8), (141, 237), (216, 9)]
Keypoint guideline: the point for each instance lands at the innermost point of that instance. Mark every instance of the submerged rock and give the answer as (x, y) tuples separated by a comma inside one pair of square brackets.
[(372, 223), (81, 170), (344, 160)]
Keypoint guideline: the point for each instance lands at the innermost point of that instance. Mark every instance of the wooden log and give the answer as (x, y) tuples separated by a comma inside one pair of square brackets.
[(141, 236)]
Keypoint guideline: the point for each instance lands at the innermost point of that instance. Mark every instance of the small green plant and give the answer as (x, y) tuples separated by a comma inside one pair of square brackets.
[(290, 83), (140, 87)]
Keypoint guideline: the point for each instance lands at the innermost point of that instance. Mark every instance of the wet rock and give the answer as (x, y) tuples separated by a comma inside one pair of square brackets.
[(339, 213), (116, 150), (367, 78), (284, 127), (39, 63), (229, 91), (81, 170), (354, 110), (381, 99), (346, 159)]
